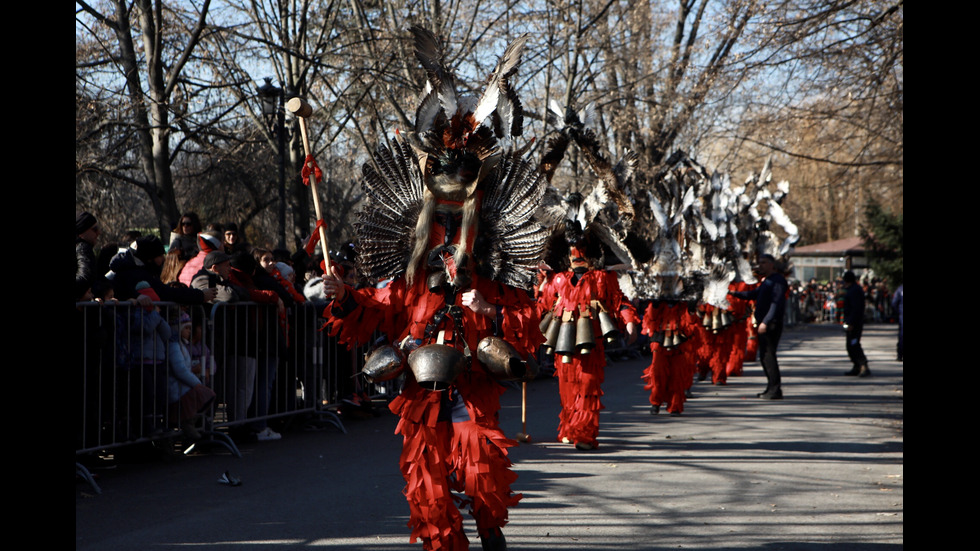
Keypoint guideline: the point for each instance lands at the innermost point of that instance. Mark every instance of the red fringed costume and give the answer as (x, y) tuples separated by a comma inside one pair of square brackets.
[(671, 371), (741, 311), (452, 441), (715, 348), (752, 338), (580, 378)]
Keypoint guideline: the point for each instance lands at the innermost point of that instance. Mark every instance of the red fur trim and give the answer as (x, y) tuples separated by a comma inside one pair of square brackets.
[(440, 457), (579, 386)]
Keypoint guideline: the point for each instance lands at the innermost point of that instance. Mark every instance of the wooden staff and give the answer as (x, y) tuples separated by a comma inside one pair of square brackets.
[(523, 436), (302, 110)]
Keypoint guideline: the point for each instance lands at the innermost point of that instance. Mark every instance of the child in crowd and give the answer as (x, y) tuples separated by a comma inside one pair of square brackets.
[(103, 292), (188, 396)]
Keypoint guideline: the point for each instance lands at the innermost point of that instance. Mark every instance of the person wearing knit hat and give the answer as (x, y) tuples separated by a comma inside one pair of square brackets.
[(233, 241), (86, 234), (149, 339), (85, 221), (144, 288), (150, 251)]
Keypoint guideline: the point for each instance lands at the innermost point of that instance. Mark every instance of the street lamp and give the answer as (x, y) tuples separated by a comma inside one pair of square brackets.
[(274, 112)]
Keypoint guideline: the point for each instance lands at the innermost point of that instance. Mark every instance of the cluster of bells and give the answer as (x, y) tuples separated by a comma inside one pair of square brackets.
[(436, 366), (717, 321), (565, 335), (669, 338)]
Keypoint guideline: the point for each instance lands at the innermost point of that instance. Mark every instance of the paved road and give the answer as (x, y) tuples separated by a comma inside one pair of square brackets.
[(821, 470)]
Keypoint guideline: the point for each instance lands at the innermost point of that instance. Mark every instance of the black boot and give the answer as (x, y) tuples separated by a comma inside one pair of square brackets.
[(864, 371), (495, 541), (854, 370)]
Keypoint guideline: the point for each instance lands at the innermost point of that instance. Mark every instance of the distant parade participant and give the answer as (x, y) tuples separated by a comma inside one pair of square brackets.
[(582, 301), (576, 299), (741, 325), (675, 335)]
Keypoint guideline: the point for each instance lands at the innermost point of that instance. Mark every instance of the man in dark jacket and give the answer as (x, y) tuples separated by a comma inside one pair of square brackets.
[(770, 308), (854, 324)]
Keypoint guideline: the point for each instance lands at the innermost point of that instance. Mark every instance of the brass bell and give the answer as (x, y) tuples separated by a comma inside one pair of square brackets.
[(501, 359), (668, 339), (435, 280), (551, 336), (658, 338), (715, 321), (678, 339), (545, 322), (383, 363), (584, 337), (435, 366), (608, 327), (726, 318), (566, 338)]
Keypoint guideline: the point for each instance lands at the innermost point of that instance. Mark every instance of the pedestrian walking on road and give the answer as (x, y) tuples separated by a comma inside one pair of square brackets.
[(854, 324)]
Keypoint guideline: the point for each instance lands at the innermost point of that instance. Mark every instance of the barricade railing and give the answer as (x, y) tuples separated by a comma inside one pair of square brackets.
[(261, 364), (123, 387), (270, 366)]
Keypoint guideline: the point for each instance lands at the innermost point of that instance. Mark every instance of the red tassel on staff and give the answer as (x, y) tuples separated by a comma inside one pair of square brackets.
[(315, 238), (310, 166)]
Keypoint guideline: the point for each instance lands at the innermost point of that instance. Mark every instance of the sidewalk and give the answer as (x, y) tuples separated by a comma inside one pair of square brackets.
[(822, 469)]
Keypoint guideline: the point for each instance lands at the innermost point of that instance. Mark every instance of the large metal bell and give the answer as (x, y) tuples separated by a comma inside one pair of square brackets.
[(678, 339), (608, 327), (551, 335), (502, 360), (565, 344), (436, 366), (584, 337), (383, 363), (658, 337), (435, 280), (545, 322)]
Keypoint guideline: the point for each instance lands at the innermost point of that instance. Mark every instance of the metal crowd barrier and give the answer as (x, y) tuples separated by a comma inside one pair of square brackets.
[(260, 365)]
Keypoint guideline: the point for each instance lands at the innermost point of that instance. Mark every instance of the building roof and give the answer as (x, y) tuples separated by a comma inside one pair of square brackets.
[(848, 245)]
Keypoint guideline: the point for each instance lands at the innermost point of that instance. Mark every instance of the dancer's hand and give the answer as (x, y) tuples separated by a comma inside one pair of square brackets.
[(473, 300), (333, 285)]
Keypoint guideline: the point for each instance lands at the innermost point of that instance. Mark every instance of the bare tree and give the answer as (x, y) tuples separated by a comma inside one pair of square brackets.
[(151, 72), (817, 83)]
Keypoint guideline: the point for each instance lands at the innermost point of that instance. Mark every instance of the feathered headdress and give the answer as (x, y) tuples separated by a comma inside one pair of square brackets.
[(450, 169), (598, 221), (677, 268)]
